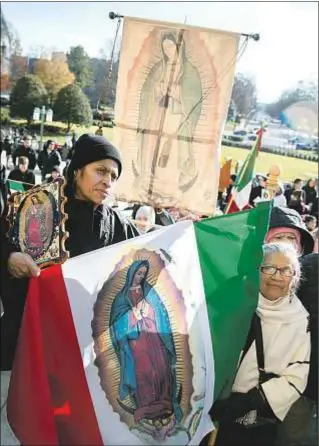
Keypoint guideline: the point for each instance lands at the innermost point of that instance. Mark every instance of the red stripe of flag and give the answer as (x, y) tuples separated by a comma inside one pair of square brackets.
[(49, 401)]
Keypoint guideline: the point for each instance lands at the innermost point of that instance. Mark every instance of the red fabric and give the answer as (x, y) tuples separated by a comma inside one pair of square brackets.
[(34, 230), (234, 208), (49, 401)]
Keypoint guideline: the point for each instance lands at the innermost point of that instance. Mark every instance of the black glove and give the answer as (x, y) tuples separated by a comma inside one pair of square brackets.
[(237, 405)]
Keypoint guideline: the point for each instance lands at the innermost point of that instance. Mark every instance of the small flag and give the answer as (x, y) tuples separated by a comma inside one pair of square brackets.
[(239, 198), (131, 344), (18, 186)]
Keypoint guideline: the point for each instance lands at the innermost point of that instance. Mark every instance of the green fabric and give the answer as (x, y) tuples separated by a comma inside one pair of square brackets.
[(230, 252), (247, 170), (17, 186)]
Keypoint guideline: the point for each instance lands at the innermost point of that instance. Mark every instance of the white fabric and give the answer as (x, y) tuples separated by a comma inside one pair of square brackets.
[(280, 201), (84, 277), (241, 198), (286, 350)]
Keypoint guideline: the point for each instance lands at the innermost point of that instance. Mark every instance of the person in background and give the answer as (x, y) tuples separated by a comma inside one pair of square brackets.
[(8, 148), (310, 191), (314, 208), (145, 219), (256, 192), (48, 158), (55, 174), (162, 217), (99, 130), (22, 172), (279, 198), (233, 179), (315, 236), (3, 186), (25, 150), (310, 222), (274, 366), (286, 226), (296, 197)]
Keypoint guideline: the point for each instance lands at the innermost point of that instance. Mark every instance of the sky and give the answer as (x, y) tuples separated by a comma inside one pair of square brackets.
[(286, 53)]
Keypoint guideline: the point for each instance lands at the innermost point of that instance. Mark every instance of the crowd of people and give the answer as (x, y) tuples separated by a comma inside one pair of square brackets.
[(274, 397)]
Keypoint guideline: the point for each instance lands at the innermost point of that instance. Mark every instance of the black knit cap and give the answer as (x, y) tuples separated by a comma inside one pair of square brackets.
[(90, 148)]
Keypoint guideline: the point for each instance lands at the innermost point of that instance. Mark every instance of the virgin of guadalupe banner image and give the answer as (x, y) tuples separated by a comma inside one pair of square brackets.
[(173, 92)]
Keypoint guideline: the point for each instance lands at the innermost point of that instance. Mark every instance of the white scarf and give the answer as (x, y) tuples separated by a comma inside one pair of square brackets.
[(284, 310)]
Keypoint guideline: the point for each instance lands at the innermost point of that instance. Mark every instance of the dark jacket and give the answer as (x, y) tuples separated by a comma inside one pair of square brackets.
[(310, 194), (89, 229), (308, 294), (314, 209), (163, 218), (28, 152), (47, 161), (26, 177), (3, 188), (289, 218), (255, 192), (295, 199)]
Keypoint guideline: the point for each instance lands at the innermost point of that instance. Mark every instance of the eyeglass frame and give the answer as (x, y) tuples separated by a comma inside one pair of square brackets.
[(293, 272)]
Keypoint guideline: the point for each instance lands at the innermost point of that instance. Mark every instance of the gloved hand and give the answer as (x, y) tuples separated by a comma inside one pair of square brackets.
[(237, 405)]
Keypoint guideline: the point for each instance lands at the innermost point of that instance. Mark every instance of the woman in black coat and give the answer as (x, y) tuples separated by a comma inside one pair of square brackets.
[(91, 177), (310, 191)]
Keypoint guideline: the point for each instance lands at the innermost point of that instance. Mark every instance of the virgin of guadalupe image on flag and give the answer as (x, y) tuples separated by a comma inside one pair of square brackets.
[(173, 90), (146, 360)]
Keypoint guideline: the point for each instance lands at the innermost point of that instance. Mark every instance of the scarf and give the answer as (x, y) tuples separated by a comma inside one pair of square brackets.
[(285, 310)]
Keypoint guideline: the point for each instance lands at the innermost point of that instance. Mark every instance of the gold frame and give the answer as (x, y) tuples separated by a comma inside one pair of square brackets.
[(20, 203)]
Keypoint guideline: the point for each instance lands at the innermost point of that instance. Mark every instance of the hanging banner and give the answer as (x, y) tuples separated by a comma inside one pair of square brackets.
[(173, 92)]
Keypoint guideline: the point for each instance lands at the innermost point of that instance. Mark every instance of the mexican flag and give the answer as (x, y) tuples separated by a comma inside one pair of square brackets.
[(239, 198), (18, 186), (132, 343)]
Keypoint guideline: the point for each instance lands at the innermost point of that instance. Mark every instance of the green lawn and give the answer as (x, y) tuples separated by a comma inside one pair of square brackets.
[(291, 167)]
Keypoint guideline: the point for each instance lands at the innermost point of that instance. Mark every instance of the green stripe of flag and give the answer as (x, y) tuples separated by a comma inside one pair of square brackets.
[(18, 186), (230, 253)]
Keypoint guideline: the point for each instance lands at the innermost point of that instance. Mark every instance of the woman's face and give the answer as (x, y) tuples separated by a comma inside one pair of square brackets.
[(169, 48), (312, 183), (96, 181), (54, 174), (139, 275), (276, 284)]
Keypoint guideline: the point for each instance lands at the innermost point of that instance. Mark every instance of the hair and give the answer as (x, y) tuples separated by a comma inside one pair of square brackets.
[(310, 179), (23, 160), (309, 218), (178, 43), (148, 212), (297, 180), (288, 250)]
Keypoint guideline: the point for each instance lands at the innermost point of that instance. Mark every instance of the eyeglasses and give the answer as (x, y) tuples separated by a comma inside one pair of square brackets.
[(272, 270)]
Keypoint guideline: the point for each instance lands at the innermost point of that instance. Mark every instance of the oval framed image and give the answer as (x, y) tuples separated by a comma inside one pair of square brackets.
[(36, 223)]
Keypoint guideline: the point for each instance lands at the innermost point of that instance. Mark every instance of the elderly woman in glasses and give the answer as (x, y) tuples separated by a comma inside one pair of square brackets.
[(274, 366)]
